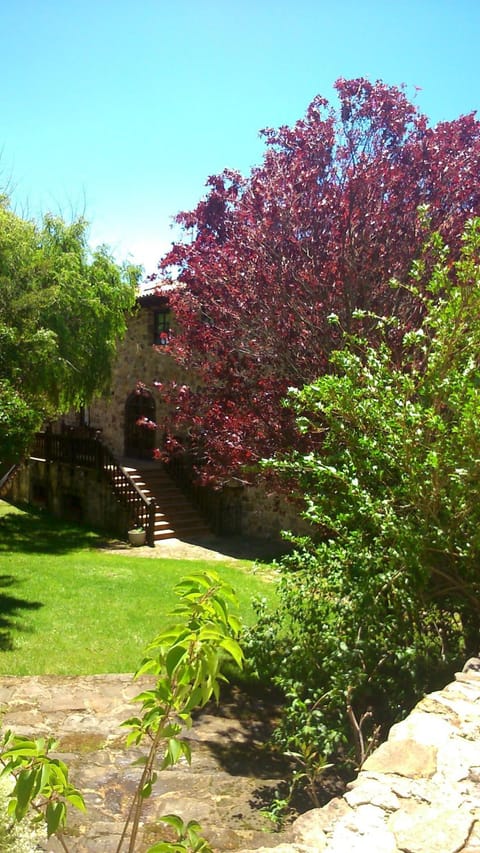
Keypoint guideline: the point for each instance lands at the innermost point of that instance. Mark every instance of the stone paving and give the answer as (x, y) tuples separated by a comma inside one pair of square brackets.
[(222, 788), (419, 792), (230, 775)]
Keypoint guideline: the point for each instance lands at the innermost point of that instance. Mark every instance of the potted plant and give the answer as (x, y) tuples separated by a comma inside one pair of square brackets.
[(137, 536)]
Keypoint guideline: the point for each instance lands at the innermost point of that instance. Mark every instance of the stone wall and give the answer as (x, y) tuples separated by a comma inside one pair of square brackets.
[(137, 361), (69, 492), (419, 792), (264, 514)]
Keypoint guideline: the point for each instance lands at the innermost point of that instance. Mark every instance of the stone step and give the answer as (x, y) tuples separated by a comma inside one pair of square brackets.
[(175, 516)]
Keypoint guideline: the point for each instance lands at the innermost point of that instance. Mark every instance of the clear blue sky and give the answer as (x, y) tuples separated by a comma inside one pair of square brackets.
[(120, 109)]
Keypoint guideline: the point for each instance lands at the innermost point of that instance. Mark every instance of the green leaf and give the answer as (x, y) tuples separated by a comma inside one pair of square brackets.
[(187, 752), (146, 696), (134, 737), (76, 800), (58, 772), (233, 648), (194, 699), (175, 821), (55, 814), (174, 750), (146, 791), (174, 656), (23, 792), (234, 623), (147, 666), (134, 722)]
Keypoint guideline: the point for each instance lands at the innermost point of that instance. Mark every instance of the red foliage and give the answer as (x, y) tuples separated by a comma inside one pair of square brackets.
[(319, 228)]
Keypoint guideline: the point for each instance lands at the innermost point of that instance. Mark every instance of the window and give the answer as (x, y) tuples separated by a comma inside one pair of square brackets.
[(161, 327)]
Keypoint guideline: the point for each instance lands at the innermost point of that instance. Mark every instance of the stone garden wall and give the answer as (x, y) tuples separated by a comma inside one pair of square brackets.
[(265, 514), (419, 792), (69, 492)]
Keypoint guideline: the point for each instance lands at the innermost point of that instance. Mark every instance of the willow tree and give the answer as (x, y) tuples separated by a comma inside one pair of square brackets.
[(62, 311)]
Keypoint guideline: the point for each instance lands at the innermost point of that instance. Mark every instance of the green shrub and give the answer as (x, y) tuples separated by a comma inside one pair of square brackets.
[(382, 601)]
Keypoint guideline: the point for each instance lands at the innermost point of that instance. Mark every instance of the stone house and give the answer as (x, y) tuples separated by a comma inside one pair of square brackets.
[(130, 421), (141, 367), (133, 396)]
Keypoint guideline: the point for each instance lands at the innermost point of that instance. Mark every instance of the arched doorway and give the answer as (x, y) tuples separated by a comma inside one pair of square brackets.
[(140, 441)]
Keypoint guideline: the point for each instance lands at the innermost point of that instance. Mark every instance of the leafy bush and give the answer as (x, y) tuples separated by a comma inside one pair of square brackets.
[(382, 600)]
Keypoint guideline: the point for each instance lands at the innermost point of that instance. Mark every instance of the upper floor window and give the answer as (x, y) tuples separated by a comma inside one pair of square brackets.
[(161, 327)]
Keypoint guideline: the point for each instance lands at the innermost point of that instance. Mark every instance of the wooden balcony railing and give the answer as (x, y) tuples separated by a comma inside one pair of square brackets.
[(92, 453)]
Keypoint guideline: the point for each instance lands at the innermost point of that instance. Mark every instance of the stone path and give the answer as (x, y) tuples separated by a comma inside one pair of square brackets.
[(222, 788), (203, 548), (230, 773)]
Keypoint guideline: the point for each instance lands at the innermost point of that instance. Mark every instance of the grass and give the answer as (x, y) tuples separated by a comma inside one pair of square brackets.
[(68, 607)]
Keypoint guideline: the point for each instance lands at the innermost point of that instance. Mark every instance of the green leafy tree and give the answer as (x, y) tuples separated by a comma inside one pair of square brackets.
[(62, 311), (384, 597), (186, 660)]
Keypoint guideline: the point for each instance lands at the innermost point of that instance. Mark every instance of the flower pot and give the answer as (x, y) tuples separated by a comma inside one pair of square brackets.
[(137, 537)]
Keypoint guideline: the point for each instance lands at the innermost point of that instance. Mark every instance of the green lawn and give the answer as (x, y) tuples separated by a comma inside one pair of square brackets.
[(67, 607)]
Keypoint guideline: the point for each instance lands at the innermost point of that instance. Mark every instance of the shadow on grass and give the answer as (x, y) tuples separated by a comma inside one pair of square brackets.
[(10, 611), (29, 530)]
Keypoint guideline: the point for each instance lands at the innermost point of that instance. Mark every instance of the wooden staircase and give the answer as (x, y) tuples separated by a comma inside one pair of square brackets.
[(175, 516)]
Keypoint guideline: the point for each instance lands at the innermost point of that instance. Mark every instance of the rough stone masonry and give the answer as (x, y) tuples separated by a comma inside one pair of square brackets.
[(419, 792)]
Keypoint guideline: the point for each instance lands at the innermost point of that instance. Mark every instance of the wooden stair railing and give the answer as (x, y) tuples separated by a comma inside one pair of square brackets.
[(5, 480), (92, 453), (176, 516)]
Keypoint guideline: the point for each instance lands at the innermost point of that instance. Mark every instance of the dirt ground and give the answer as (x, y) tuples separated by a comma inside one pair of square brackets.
[(206, 548)]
